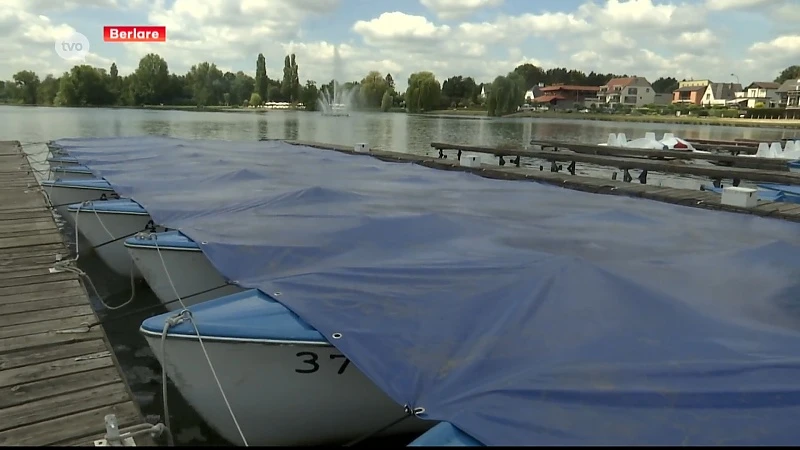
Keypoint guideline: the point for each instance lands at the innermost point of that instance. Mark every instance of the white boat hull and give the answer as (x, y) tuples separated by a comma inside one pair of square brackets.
[(193, 276), (53, 165), (56, 174), (106, 233), (273, 403), (62, 196)]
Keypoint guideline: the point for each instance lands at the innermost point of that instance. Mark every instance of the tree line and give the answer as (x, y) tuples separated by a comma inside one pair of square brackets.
[(206, 85)]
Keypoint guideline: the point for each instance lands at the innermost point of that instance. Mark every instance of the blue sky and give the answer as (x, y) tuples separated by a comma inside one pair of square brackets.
[(754, 39)]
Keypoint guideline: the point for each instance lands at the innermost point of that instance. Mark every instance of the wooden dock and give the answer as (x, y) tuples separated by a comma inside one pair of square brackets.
[(745, 162), (641, 163), (685, 197), (58, 378)]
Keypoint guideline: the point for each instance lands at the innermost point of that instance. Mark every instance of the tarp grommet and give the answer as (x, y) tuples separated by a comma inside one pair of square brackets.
[(276, 294), (336, 335), (204, 243)]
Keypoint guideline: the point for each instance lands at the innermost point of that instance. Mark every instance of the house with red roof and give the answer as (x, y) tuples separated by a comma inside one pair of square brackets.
[(690, 92), (565, 96), (633, 92)]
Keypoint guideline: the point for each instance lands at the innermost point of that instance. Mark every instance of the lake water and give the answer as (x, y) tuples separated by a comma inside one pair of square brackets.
[(386, 131)]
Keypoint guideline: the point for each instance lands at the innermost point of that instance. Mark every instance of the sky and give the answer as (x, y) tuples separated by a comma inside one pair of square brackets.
[(721, 40)]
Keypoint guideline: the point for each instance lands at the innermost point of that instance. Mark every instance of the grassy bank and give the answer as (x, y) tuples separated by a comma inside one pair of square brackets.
[(683, 120), (458, 112)]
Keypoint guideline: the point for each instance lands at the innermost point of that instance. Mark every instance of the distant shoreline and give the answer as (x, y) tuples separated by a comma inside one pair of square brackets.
[(683, 120), (791, 124), (787, 124)]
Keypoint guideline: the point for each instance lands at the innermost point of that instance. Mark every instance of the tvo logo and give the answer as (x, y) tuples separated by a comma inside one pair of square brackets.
[(74, 47)]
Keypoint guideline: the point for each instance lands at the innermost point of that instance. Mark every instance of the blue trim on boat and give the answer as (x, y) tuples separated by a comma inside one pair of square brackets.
[(72, 169), (249, 315), (121, 206), (97, 184), (62, 159), (445, 434), (166, 239)]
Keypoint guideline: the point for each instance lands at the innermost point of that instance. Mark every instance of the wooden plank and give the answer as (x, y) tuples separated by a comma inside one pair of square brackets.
[(24, 241), (7, 320), (44, 305), (40, 291), (37, 213), (62, 405), (50, 338), (43, 223), (47, 326), (52, 369), (30, 232), (32, 251), (11, 281), (73, 426), (23, 271), (40, 355)]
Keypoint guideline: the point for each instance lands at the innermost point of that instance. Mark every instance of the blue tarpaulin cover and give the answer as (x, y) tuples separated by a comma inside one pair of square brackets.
[(522, 313)]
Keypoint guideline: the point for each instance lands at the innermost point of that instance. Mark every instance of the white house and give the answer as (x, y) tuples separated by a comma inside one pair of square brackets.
[(630, 91), (720, 94), (765, 92)]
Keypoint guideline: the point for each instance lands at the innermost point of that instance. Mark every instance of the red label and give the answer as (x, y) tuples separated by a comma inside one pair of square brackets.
[(139, 33)]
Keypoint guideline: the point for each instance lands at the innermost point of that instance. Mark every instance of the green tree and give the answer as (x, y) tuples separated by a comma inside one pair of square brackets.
[(242, 87), (261, 76), (290, 85), (423, 92), (373, 86), (386, 101), (789, 73), (46, 93), (114, 82), (665, 85), (255, 99), (309, 96), (28, 83), (205, 81), (84, 85), (533, 75), (151, 80), (506, 94)]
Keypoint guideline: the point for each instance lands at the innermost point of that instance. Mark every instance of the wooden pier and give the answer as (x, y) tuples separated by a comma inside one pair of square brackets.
[(641, 163), (58, 378), (721, 159), (685, 197)]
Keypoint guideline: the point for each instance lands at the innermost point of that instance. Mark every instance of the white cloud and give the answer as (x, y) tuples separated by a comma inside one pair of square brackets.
[(455, 9), (652, 38), (720, 5)]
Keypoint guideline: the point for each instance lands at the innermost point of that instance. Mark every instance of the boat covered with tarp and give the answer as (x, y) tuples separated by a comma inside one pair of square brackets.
[(520, 313)]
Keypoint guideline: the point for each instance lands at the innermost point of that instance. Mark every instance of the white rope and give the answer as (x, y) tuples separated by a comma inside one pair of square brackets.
[(186, 314), (67, 265)]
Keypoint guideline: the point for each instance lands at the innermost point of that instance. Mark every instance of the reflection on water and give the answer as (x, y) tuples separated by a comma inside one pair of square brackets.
[(388, 131)]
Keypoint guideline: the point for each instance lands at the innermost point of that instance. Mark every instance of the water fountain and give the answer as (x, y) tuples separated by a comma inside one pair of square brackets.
[(338, 102)]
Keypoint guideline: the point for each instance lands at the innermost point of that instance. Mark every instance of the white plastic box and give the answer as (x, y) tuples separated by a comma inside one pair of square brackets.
[(470, 160), (361, 148), (739, 196)]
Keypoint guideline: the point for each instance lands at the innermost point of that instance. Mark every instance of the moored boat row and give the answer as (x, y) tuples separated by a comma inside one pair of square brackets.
[(275, 400), (318, 305)]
